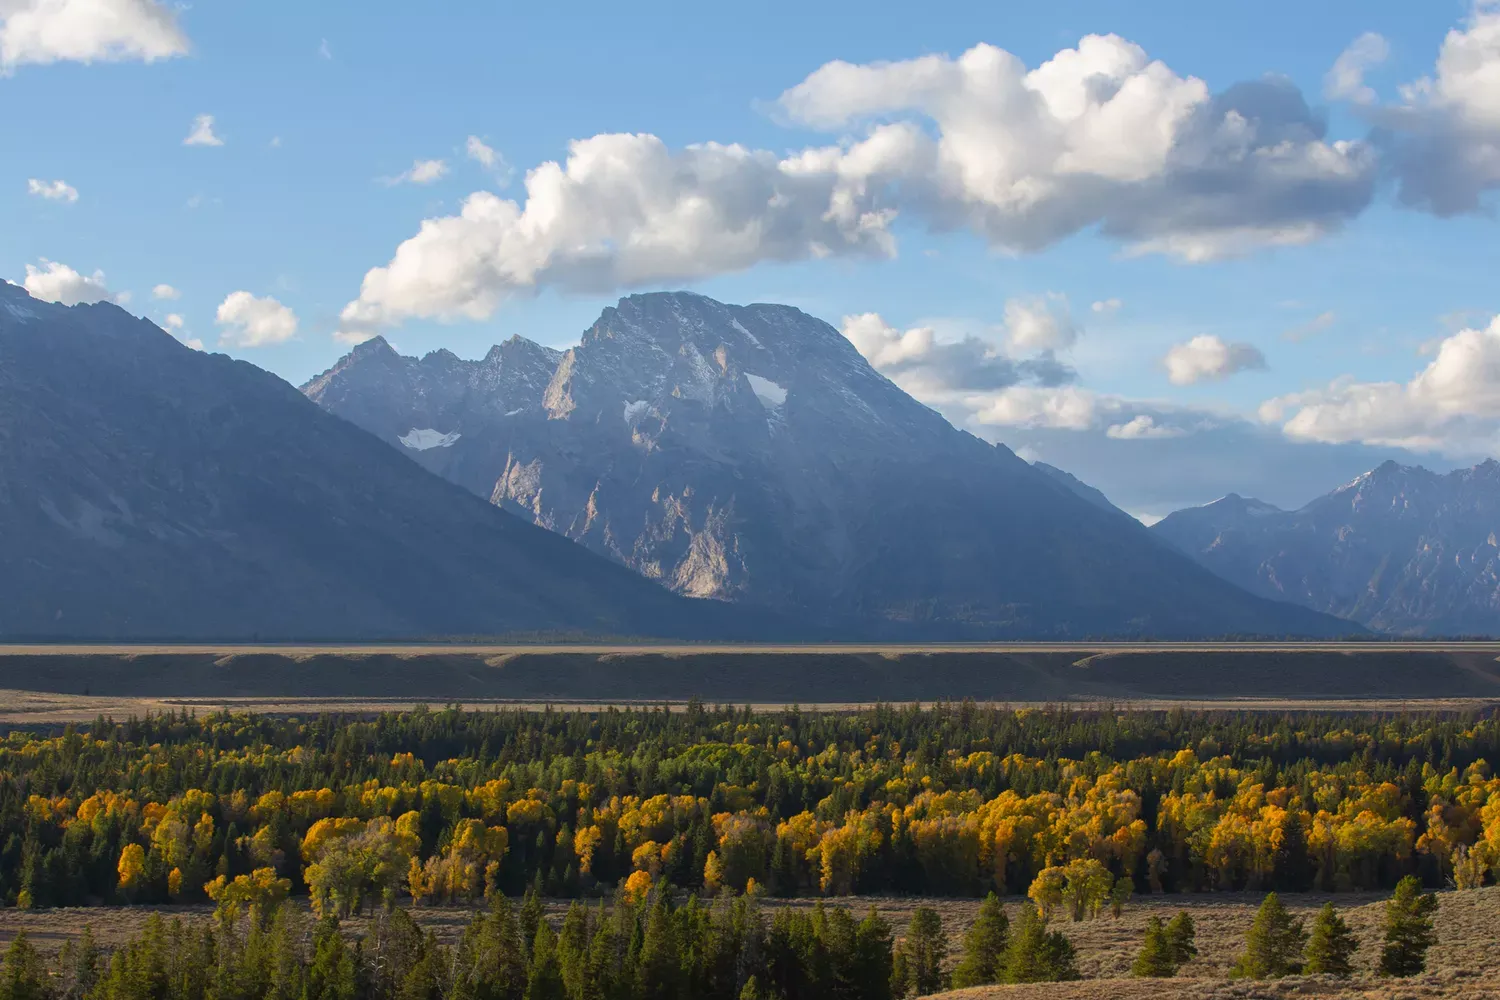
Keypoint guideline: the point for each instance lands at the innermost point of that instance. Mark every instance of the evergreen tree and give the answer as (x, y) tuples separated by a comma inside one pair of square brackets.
[(331, 975), (545, 979), (1182, 937), (1036, 955), (1274, 945), (1408, 929), (1155, 959), (1331, 946), (23, 975), (984, 946), (925, 945)]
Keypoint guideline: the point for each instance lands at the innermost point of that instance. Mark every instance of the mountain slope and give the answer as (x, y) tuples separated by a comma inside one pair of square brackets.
[(152, 491), (1400, 549), (1078, 486), (749, 453)]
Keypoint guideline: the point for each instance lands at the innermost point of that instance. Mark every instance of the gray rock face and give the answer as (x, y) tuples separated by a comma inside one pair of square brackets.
[(152, 491), (1400, 549), (750, 454)]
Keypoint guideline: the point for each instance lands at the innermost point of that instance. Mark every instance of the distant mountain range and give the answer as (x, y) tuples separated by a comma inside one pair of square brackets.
[(1400, 549), (149, 491), (750, 454)]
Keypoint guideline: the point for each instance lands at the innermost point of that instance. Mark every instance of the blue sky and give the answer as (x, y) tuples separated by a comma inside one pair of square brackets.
[(1318, 325)]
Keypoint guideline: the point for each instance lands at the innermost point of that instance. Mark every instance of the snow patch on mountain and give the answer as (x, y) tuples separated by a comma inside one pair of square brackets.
[(769, 393), (424, 438)]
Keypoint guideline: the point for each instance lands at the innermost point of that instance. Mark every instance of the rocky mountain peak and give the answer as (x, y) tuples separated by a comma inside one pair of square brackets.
[(749, 453)]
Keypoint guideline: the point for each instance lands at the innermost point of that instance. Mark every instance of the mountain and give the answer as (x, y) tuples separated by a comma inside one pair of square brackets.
[(1400, 549), (151, 491), (1078, 486), (750, 454)]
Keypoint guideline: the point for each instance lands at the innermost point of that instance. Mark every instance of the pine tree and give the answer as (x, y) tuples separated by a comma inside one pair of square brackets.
[(1408, 929), (984, 946), (925, 946), (544, 981), (1036, 955), (1331, 945), (23, 976), (1274, 944), (1155, 957), (1182, 937)]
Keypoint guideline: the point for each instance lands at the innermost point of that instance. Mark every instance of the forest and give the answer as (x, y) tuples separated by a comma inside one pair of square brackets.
[(449, 806)]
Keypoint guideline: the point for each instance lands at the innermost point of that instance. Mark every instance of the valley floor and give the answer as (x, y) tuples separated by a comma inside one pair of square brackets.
[(1465, 963)]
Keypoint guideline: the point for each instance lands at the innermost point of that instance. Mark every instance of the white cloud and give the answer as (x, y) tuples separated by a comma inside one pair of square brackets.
[(421, 172), (1207, 358), (939, 371), (623, 211), (165, 291), (1066, 407), (1099, 137), (490, 159), (250, 321), (203, 133), (480, 153), (1142, 427), (1107, 306), (1442, 137), (177, 327), (1039, 324), (323, 50), (1102, 136), (1452, 405), (1346, 80), (54, 282), (52, 190), (46, 31)]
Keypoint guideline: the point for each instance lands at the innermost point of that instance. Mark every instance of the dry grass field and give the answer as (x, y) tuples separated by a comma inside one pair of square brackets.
[(1464, 964), (42, 708)]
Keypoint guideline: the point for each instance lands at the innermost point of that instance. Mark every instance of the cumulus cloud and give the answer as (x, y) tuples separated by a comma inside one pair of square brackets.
[(55, 282), (1452, 405), (1107, 306), (1442, 136), (251, 321), (1346, 79), (623, 211), (1067, 407), (86, 31), (165, 291), (939, 371), (1099, 137), (1142, 427), (202, 133), (421, 172), (52, 190), (1206, 358), (1039, 324)]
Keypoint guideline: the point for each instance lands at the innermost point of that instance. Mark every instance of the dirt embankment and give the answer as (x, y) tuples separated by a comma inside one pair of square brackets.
[(763, 676)]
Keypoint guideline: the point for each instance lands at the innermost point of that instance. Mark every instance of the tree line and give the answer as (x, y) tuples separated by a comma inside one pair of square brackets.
[(1077, 808), (650, 947)]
